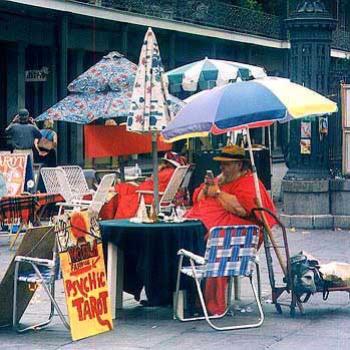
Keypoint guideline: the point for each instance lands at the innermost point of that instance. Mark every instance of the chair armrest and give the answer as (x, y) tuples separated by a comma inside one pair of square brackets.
[(81, 202), (73, 204), (37, 261), (148, 192), (196, 258)]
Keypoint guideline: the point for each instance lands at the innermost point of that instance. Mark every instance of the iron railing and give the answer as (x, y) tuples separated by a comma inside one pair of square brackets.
[(341, 39), (211, 13), (215, 14)]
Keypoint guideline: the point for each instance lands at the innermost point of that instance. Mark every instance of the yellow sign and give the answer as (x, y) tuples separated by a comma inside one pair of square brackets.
[(85, 282)]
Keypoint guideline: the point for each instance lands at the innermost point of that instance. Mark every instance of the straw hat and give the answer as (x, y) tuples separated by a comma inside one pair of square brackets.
[(231, 153)]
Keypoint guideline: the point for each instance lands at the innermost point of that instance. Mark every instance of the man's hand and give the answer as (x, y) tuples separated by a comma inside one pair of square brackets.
[(213, 190)]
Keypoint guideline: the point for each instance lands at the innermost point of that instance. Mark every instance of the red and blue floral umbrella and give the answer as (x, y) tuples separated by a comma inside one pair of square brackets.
[(103, 91)]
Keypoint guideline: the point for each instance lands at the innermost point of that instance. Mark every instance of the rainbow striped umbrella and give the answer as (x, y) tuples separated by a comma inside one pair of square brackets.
[(248, 104)]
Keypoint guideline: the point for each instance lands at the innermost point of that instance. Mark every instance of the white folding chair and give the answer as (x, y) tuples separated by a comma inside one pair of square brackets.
[(35, 271), (230, 252), (49, 176), (65, 189), (77, 180), (99, 198), (167, 197)]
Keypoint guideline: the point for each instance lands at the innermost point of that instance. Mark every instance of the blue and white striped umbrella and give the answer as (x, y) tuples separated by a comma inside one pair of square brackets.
[(208, 73)]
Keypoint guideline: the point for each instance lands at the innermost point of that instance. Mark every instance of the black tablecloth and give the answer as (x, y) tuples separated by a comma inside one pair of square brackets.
[(150, 250)]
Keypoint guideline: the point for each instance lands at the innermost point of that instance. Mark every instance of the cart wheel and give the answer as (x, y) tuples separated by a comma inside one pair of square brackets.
[(278, 308), (292, 311)]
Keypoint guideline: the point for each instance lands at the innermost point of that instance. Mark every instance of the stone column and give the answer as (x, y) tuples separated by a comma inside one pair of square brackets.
[(76, 135), (306, 184), (50, 87), (172, 50), (125, 40), (15, 79)]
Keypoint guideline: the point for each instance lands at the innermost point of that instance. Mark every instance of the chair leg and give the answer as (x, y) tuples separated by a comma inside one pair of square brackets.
[(50, 291), (258, 278), (53, 301), (176, 315), (14, 306), (245, 326), (15, 320), (177, 290)]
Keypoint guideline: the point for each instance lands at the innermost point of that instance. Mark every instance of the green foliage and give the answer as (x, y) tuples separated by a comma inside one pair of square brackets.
[(253, 5), (248, 4)]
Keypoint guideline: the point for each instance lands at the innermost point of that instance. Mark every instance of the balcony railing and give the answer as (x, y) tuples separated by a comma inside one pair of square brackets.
[(215, 14), (210, 13), (341, 40)]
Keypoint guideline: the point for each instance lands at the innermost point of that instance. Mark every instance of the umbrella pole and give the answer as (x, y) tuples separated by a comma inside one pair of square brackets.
[(155, 171), (259, 203), (270, 153), (266, 225)]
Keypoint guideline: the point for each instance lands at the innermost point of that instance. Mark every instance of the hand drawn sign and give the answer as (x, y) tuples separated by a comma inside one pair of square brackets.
[(84, 275)]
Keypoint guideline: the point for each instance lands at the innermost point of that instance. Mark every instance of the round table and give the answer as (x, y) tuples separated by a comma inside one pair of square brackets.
[(150, 254)]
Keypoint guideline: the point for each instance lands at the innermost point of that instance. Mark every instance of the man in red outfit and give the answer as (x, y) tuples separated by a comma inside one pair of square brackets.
[(227, 200), (124, 205)]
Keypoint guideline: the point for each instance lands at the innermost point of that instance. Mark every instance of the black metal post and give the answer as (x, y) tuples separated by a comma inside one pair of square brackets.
[(310, 27)]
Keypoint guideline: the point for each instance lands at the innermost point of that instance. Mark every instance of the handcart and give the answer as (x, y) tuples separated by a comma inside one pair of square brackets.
[(297, 298)]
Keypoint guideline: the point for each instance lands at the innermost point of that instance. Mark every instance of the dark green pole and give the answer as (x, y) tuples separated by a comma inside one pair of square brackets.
[(62, 86), (310, 27)]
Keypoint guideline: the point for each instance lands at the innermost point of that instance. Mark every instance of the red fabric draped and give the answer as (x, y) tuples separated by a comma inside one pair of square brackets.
[(124, 205), (211, 213)]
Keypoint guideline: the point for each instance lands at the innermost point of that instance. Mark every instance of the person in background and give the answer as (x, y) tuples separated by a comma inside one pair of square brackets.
[(46, 151), (227, 200), (23, 133), (125, 203)]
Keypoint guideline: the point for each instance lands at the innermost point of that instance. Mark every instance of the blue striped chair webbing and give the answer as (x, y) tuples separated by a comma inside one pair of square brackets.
[(32, 277), (231, 251)]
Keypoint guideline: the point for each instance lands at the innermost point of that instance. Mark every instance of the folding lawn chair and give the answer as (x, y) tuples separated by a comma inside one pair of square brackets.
[(230, 252), (98, 199), (77, 180), (167, 197), (32, 270)]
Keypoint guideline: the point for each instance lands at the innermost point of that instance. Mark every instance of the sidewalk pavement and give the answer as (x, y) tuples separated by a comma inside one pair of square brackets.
[(324, 325)]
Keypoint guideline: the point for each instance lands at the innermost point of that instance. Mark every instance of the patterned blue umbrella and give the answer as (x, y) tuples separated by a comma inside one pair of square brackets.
[(113, 73), (103, 91), (83, 108)]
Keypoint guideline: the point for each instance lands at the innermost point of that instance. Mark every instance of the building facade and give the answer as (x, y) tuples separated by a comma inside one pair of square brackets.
[(44, 44)]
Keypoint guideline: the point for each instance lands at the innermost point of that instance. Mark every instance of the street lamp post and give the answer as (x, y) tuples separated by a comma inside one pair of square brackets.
[(305, 186)]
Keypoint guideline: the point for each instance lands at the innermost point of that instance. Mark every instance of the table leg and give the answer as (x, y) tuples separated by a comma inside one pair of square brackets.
[(115, 272)]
